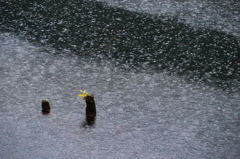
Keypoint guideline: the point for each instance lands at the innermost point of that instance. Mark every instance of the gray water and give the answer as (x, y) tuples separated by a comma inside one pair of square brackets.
[(140, 114)]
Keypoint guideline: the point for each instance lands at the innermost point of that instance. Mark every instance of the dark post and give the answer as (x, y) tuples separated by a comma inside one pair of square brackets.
[(45, 107), (90, 107)]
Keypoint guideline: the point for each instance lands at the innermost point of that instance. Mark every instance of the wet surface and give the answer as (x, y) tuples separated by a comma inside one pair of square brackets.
[(139, 115), (134, 41), (152, 102)]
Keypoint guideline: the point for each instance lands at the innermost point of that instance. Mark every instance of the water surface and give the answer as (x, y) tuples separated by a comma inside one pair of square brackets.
[(163, 88)]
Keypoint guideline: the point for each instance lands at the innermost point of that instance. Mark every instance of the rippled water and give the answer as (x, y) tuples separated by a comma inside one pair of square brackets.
[(137, 41), (154, 98), (215, 14)]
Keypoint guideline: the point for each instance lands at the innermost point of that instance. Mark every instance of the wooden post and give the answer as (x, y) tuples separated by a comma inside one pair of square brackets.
[(45, 107), (90, 107)]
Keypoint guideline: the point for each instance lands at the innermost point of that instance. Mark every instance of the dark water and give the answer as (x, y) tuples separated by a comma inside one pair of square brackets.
[(165, 87), (137, 41)]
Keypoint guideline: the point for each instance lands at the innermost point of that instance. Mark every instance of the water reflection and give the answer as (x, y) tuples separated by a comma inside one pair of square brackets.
[(89, 121), (45, 113)]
